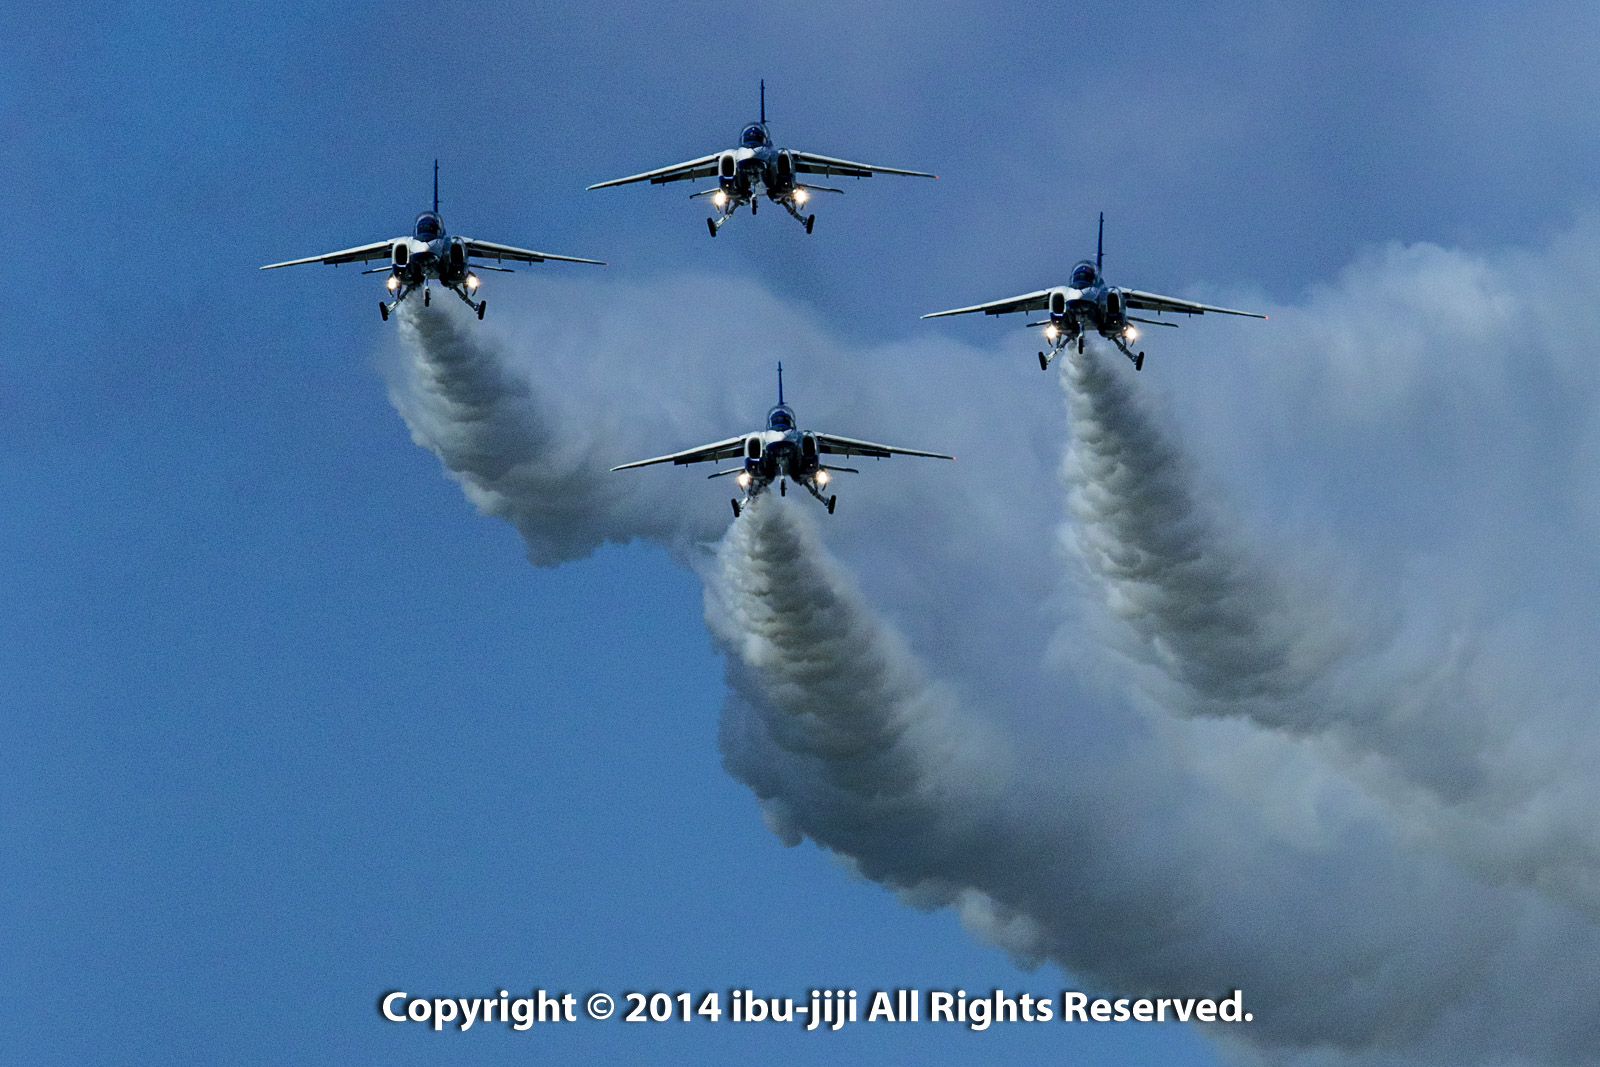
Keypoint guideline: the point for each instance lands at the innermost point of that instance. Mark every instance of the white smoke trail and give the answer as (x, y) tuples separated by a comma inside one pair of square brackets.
[(841, 734), (1231, 636), (518, 450), (1126, 861)]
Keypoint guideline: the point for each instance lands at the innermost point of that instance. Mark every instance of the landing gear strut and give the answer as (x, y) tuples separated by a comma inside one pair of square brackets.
[(462, 293), (1057, 347), (405, 291), (1137, 360), (805, 220)]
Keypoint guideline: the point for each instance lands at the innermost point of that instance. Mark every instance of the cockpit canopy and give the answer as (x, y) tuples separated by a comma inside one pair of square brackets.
[(780, 418), (1083, 275), (753, 137), (428, 226)]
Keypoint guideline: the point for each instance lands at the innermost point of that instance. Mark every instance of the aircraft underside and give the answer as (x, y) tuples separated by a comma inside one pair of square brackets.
[(732, 201), (1070, 331), (403, 288), (757, 487)]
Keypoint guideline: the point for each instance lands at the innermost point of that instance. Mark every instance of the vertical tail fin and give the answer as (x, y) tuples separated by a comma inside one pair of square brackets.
[(436, 187), (1100, 244), (763, 101), (780, 383)]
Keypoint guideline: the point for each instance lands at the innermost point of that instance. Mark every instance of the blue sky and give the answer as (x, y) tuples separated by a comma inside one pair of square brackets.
[(287, 723)]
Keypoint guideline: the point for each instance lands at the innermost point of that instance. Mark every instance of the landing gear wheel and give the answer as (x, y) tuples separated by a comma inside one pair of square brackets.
[(383, 309), (1080, 346), (482, 304), (735, 504), (1138, 364), (711, 225), (783, 488), (1044, 364), (810, 219), (427, 297), (832, 500)]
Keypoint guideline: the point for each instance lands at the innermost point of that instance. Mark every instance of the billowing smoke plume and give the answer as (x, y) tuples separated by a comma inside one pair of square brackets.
[(1183, 814), (1230, 636), (520, 450), (841, 733)]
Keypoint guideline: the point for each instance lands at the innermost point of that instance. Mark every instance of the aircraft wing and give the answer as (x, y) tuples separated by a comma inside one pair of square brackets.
[(849, 446), (704, 167), (490, 250), (359, 254), (1155, 302), (811, 163), (1026, 302), (733, 446)]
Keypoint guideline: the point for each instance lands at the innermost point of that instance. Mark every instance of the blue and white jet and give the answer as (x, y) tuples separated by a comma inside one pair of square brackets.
[(758, 166), (783, 453), (431, 253), (1088, 303)]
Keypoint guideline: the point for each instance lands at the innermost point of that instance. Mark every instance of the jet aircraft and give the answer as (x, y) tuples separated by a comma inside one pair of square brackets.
[(757, 166), (430, 252), (1088, 303), (782, 453)]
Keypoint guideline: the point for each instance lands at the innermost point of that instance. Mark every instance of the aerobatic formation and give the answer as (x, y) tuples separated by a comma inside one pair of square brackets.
[(848, 739)]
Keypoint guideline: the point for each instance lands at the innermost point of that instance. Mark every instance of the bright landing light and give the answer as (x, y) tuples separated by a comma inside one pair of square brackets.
[(1130, 333), (801, 196), (822, 477), (720, 198), (1051, 332), (393, 283), (472, 281), (743, 480)]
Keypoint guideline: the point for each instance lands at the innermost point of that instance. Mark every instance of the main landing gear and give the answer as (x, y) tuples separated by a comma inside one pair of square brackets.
[(384, 309), (1136, 360), (1060, 346), (805, 220), (716, 224), (462, 293)]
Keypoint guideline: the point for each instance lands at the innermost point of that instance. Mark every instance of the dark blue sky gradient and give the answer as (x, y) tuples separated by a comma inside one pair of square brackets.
[(286, 724)]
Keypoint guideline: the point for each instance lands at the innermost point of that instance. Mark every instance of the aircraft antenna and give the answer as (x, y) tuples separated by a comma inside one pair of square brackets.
[(1100, 244), (436, 187), (764, 103), (780, 384)]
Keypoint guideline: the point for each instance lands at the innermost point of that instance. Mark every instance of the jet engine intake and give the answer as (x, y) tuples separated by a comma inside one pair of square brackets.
[(752, 448), (727, 167), (785, 167), (1058, 302), (400, 254)]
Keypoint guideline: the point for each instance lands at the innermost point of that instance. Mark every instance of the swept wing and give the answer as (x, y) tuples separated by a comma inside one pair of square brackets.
[(733, 446), (1156, 302), (811, 163), (704, 167), (1026, 302), (359, 254), (849, 446), (490, 250)]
